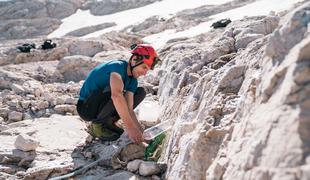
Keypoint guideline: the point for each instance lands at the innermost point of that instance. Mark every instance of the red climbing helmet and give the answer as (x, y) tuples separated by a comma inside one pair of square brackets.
[(145, 53)]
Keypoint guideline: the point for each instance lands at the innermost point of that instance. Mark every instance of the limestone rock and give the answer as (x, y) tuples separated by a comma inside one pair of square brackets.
[(25, 142), (18, 10), (111, 55), (3, 127), (133, 166), (33, 87), (244, 40), (62, 9), (17, 88), (49, 55), (90, 29), (109, 7), (1, 120), (148, 168), (123, 175), (15, 116), (62, 109), (85, 48), (58, 137), (24, 19), (4, 112), (75, 68), (25, 28), (293, 29)]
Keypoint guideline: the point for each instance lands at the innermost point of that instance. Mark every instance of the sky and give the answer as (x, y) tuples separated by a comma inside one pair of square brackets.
[(167, 8)]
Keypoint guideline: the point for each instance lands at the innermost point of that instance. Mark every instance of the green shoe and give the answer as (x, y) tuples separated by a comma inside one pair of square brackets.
[(104, 134), (109, 123)]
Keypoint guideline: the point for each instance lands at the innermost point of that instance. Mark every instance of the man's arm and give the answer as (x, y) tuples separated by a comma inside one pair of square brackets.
[(122, 108), (130, 100)]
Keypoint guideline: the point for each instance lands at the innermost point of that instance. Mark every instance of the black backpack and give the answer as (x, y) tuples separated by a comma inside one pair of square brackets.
[(26, 47), (221, 23), (47, 44)]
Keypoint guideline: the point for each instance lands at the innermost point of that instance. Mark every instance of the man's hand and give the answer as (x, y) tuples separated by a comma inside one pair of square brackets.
[(135, 135)]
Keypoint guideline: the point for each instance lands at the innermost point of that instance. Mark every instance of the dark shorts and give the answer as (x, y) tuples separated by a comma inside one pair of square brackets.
[(99, 105)]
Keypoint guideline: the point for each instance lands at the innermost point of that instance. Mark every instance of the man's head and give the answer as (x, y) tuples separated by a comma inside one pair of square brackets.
[(144, 58)]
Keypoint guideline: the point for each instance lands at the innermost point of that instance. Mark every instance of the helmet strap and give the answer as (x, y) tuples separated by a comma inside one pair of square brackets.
[(133, 66)]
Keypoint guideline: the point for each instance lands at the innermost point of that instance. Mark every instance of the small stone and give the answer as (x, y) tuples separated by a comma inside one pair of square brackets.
[(133, 166), (148, 168), (89, 138), (27, 116), (15, 116), (62, 109), (25, 142), (13, 103), (4, 112), (3, 127), (70, 100), (42, 105), (25, 104), (88, 155), (154, 177), (17, 88), (60, 101)]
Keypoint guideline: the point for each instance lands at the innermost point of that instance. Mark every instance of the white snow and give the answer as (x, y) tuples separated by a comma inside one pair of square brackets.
[(262, 7), (165, 8)]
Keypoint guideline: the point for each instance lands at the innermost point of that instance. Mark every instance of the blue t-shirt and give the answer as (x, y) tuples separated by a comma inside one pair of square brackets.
[(99, 78)]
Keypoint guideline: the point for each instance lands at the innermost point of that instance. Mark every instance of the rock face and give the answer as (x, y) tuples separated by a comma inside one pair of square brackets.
[(26, 19), (33, 18), (248, 116), (90, 29), (113, 6), (75, 68)]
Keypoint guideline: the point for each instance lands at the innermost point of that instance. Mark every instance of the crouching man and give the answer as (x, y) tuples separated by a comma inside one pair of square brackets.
[(110, 92)]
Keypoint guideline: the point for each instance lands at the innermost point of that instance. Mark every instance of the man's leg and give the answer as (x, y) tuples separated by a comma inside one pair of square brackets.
[(109, 115), (88, 110)]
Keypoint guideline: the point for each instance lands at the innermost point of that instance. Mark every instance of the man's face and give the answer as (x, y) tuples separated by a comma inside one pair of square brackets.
[(140, 70)]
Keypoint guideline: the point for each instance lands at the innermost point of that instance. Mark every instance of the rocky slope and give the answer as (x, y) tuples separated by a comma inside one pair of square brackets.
[(33, 18), (240, 101), (238, 98)]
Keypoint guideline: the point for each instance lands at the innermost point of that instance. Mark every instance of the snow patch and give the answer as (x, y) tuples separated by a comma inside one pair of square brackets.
[(165, 8), (262, 7)]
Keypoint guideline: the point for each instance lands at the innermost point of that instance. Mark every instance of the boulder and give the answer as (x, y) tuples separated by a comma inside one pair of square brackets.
[(243, 40), (85, 47), (133, 166), (25, 142), (63, 109), (148, 168), (15, 116), (111, 55), (75, 68), (123, 175)]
